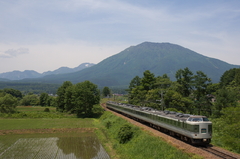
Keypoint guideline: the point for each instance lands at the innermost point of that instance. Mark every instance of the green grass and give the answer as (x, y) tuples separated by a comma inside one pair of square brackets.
[(10, 124), (34, 108), (141, 146)]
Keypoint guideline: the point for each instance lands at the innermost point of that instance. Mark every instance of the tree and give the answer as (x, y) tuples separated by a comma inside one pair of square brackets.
[(30, 100), (200, 85), (138, 96), (224, 98), (43, 99), (106, 92), (174, 99), (13, 92), (61, 95), (85, 95), (136, 81), (148, 80), (69, 99), (230, 75), (8, 104), (227, 131), (185, 79)]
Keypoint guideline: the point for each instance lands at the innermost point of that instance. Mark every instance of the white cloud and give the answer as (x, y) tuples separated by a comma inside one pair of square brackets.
[(13, 53)]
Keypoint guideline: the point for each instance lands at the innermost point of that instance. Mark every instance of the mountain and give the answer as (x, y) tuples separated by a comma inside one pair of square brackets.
[(63, 70), (18, 75), (159, 58)]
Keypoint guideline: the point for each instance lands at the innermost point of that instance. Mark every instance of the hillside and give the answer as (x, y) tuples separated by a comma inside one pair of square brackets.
[(159, 58)]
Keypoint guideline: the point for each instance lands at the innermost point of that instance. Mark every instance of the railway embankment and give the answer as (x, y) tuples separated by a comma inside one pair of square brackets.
[(192, 151)]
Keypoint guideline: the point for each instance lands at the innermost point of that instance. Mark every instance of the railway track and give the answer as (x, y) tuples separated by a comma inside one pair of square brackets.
[(218, 153)]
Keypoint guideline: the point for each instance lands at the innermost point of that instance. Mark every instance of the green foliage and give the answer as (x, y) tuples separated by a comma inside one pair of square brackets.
[(106, 92), (226, 130), (125, 134), (85, 96), (43, 99), (8, 104), (185, 79), (25, 87), (35, 112), (46, 110), (79, 98), (13, 92), (30, 100), (61, 95), (148, 80), (201, 82), (230, 76), (225, 98)]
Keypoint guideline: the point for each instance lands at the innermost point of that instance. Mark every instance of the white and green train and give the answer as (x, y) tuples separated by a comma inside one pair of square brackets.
[(194, 129)]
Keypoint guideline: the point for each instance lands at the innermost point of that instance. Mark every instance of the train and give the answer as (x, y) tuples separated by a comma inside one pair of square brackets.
[(193, 129)]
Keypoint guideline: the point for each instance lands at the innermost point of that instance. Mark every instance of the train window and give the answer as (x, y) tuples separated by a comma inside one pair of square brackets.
[(203, 130), (197, 119), (205, 119), (210, 128), (195, 128)]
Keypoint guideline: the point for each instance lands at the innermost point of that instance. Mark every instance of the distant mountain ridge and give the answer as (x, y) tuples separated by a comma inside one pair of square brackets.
[(159, 58), (18, 75)]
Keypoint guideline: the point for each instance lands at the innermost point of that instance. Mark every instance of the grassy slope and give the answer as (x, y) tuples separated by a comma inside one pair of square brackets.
[(143, 145)]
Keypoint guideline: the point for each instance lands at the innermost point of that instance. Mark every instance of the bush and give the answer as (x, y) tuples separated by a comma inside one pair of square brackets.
[(125, 134), (108, 124), (46, 110)]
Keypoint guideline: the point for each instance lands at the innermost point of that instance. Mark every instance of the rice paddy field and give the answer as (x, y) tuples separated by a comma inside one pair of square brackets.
[(51, 138), (72, 145)]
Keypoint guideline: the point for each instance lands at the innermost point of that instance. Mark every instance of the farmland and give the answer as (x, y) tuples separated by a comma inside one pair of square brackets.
[(58, 145), (63, 137)]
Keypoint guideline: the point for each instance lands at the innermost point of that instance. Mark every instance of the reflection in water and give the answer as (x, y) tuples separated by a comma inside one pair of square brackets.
[(81, 147), (71, 146)]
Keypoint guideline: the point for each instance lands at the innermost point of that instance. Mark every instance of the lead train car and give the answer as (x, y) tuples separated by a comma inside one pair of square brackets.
[(194, 129)]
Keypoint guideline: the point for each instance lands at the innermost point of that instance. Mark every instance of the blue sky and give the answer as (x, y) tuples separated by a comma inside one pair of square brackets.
[(44, 35)]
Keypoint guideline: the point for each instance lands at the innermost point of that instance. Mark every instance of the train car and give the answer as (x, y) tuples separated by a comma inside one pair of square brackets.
[(194, 129)]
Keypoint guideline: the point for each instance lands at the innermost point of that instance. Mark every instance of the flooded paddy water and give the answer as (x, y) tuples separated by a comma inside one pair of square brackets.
[(69, 145)]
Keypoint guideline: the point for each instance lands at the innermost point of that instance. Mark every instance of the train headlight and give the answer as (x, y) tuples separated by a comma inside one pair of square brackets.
[(204, 140)]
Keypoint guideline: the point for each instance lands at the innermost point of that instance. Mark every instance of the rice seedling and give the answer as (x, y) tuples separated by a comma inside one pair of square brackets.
[(60, 145)]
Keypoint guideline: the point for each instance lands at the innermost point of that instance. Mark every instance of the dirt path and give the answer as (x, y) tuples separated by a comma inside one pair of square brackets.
[(174, 142)]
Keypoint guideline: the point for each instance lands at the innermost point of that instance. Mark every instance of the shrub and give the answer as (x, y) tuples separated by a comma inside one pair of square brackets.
[(46, 110), (108, 124), (125, 134)]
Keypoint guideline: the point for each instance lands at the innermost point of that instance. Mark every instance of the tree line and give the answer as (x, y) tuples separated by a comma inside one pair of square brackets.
[(192, 93), (78, 98)]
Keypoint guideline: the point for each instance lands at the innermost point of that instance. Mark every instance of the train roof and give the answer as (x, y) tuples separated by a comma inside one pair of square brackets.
[(165, 113)]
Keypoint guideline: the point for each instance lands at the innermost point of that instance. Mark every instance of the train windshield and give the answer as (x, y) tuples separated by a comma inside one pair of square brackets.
[(205, 119), (197, 119)]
